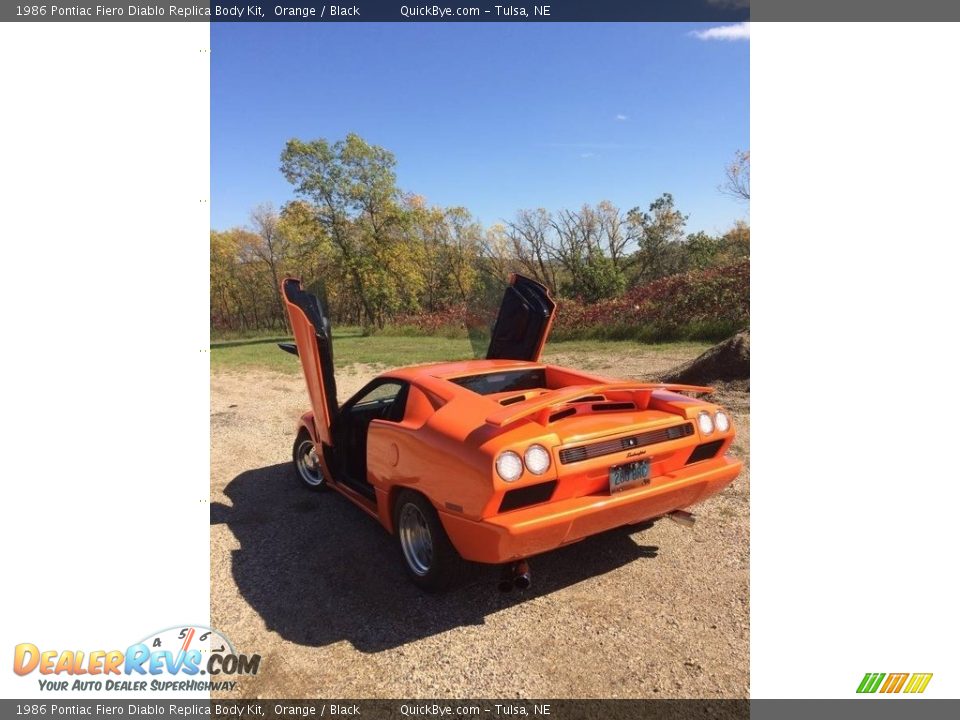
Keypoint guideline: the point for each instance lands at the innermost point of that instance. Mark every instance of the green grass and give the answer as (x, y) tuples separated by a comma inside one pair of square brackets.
[(710, 332), (622, 346), (350, 347)]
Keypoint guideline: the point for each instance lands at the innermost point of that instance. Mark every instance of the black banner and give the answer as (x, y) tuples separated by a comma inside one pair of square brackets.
[(485, 11), (713, 11), (386, 709), (383, 11), (717, 709)]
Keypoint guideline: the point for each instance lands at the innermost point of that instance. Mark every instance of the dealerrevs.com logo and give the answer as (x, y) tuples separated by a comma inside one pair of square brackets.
[(182, 659), (911, 683)]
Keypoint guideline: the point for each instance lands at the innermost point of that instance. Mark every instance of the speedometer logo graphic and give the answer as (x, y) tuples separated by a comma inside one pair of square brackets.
[(181, 639)]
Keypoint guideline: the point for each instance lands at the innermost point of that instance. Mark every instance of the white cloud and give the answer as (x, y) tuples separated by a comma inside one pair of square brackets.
[(620, 116), (588, 155), (740, 31)]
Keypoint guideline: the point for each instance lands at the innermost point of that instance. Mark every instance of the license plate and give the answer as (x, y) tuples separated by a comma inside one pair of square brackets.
[(633, 474)]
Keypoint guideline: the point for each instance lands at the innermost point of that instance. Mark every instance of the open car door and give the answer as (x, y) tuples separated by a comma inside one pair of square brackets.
[(523, 322), (311, 329)]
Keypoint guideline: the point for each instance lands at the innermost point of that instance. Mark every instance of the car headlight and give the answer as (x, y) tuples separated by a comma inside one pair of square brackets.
[(537, 459), (509, 466), (705, 421), (722, 421)]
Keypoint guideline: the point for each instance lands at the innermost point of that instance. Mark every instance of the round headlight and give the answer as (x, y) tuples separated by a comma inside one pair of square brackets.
[(509, 466), (537, 459), (723, 422), (706, 422)]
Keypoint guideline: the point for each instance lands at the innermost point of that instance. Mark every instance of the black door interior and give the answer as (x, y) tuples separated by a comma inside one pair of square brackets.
[(522, 321), (382, 399), (315, 311)]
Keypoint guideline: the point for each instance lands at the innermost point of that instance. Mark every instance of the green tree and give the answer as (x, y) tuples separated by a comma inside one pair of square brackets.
[(659, 232), (589, 244), (352, 188), (701, 251)]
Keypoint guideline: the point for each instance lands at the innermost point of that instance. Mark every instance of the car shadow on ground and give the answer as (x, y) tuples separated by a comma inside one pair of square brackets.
[(318, 570)]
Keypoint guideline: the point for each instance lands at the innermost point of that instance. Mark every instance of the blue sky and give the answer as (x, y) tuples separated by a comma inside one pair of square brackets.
[(491, 116)]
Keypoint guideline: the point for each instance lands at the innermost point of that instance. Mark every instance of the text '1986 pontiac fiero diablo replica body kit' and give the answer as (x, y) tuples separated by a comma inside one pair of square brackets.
[(497, 460)]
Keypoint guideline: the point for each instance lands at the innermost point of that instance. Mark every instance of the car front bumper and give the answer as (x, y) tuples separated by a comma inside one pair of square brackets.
[(540, 528)]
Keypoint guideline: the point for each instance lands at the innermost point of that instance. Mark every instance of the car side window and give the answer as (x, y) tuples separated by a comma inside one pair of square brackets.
[(387, 399)]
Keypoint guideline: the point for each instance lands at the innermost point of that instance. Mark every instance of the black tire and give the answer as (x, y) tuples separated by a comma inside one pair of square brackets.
[(444, 568), (306, 467)]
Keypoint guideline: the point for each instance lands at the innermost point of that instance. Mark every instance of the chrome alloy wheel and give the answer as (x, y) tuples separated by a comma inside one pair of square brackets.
[(415, 539), (308, 463)]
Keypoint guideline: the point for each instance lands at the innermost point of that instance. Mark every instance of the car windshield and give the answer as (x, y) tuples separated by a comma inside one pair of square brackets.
[(510, 381)]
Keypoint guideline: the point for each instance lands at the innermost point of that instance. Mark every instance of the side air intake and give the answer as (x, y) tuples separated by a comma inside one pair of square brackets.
[(705, 451), (526, 496)]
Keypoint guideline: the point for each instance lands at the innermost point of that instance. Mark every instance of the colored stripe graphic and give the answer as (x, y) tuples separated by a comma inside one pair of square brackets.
[(894, 682), (918, 683), (870, 682)]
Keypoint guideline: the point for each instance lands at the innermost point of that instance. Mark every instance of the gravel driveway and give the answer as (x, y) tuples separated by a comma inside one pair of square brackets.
[(315, 586)]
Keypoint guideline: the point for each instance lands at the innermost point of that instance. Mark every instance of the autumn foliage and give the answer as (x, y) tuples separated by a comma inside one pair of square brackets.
[(386, 260)]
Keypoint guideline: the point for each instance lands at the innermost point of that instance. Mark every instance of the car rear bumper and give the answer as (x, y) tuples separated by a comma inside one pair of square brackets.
[(522, 533)]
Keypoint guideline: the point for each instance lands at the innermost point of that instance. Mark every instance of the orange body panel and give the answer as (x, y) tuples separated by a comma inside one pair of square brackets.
[(447, 443), (530, 531)]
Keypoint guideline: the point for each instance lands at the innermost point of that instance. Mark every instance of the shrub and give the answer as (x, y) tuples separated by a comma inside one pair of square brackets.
[(697, 305), (708, 304)]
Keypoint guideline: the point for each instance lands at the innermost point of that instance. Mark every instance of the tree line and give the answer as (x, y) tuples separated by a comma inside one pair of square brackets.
[(381, 253)]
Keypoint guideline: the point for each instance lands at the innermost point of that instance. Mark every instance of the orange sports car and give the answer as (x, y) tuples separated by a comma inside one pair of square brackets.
[(497, 460)]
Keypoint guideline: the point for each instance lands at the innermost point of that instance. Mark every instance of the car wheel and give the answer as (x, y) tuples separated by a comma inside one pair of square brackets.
[(306, 461), (428, 555)]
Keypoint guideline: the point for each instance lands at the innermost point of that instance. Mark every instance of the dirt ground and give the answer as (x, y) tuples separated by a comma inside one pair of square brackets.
[(316, 587)]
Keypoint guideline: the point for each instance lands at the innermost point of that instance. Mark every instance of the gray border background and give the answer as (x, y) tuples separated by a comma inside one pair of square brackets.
[(879, 708)]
